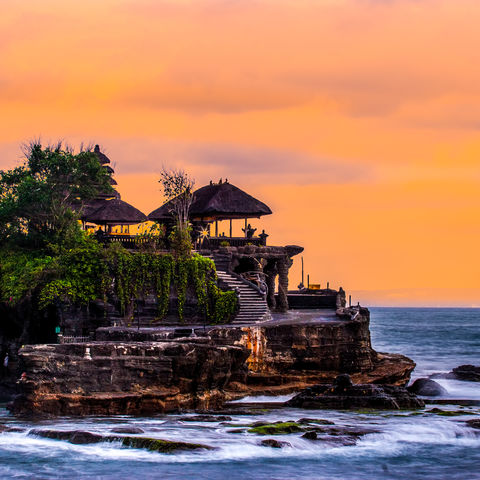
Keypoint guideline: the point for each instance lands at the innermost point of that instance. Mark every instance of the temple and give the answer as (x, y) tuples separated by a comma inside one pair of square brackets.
[(245, 263)]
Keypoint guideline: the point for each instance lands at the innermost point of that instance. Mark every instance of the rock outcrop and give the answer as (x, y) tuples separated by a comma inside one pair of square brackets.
[(114, 378), (153, 371), (426, 387), (344, 395), (79, 437), (466, 373)]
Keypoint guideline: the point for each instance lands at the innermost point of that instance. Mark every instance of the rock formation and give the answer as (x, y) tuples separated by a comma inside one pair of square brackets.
[(343, 394), (152, 371), (466, 373), (131, 378), (426, 387)]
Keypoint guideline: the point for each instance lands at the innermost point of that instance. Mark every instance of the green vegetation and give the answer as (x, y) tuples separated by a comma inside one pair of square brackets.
[(47, 259), (40, 199), (88, 271)]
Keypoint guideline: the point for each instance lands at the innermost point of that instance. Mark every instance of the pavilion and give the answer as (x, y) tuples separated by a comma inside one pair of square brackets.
[(115, 212), (215, 202)]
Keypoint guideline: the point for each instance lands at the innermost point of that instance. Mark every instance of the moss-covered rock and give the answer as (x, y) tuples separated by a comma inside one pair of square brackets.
[(317, 421), (158, 445), (280, 428), (152, 444), (448, 413)]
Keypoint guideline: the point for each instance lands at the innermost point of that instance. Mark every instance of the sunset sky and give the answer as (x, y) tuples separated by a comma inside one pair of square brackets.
[(356, 121)]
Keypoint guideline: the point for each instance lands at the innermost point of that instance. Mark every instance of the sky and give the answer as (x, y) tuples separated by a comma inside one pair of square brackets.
[(356, 121)]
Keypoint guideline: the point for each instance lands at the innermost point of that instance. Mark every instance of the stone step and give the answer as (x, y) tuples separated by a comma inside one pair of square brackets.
[(252, 305)]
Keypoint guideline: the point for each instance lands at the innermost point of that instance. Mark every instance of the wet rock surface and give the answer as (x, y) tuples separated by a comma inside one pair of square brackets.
[(427, 388), (7, 428), (475, 423), (448, 413), (78, 437), (466, 373), (343, 394), (270, 442), (206, 418), (129, 430)]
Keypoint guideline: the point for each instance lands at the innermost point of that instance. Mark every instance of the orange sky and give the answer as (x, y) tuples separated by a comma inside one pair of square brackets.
[(356, 121)]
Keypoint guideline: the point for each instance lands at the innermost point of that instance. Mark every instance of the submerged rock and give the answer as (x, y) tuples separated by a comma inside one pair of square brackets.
[(448, 413), (270, 442), (76, 437), (153, 444), (207, 418), (427, 388), (158, 445), (475, 423), (7, 428), (343, 395), (466, 373), (130, 430), (318, 421), (337, 436)]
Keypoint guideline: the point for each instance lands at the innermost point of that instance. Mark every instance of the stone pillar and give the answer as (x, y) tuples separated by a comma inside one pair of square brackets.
[(270, 281), (271, 272), (283, 266)]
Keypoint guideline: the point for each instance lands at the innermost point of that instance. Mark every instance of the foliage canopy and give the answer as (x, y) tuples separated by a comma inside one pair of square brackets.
[(40, 199)]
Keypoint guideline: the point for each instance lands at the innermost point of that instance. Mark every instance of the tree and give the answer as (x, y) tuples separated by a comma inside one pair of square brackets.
[(178, 191), (41, 200)]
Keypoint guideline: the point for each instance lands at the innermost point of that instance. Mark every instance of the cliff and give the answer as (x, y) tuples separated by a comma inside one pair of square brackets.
[(104, 378)]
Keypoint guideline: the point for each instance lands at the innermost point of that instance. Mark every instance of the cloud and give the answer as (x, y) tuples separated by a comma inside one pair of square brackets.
[(237, 162), (211, 96)]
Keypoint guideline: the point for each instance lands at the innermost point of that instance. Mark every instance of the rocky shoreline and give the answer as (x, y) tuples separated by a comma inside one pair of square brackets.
[(151, 371)]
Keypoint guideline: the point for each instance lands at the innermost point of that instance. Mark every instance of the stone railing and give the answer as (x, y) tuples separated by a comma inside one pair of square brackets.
[(127, 241), (69, 339), (215, 242)]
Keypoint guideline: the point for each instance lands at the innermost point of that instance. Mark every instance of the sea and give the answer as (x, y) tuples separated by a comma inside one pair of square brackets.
[(403, 444)]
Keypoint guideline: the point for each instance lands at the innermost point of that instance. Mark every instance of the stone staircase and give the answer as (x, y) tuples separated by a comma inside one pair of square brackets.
[(252, 304)]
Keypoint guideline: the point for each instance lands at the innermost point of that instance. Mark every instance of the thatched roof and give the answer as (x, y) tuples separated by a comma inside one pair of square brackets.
[(114, 212), (219, 201), (101, 156)]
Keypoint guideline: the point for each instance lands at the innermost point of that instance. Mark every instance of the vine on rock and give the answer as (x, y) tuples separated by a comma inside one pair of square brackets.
[(89, 272)]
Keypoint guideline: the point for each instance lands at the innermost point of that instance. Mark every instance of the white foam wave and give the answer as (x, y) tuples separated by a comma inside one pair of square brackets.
[(265, 399)]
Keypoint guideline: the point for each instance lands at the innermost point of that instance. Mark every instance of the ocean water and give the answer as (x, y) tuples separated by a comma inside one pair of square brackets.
[(405, 445)]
